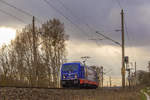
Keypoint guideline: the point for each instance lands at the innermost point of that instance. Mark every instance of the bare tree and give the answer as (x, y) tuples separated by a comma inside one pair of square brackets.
[(53, 47), (17, 60)]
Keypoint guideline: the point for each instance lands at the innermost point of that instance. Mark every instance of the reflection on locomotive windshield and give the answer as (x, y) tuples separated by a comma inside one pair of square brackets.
[(72, 67)]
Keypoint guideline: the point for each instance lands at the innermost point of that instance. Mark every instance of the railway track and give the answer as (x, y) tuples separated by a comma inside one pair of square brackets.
[(28, 87), (75, 88), (39, 88)]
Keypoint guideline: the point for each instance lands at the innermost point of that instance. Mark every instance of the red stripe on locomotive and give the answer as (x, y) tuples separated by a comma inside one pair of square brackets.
[(82, 81)]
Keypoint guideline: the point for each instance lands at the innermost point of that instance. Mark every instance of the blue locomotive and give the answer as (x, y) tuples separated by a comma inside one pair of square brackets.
[(77, 75)]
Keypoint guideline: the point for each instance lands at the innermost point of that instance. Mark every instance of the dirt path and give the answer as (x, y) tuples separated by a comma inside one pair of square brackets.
[(147, 96)]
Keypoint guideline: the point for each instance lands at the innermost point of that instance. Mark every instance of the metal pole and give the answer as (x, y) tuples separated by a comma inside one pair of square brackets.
[(123, 51), (102, 75), (110, 80), (129, 78), (135, 73)]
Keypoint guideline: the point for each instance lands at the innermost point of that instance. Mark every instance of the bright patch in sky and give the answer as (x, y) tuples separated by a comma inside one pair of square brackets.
[(6, 35)]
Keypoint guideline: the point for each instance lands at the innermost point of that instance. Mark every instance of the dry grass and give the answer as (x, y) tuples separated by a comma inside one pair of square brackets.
[(104, 95)]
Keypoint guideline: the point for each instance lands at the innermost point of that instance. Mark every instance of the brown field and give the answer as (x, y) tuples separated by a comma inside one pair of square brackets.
[(67, 94)]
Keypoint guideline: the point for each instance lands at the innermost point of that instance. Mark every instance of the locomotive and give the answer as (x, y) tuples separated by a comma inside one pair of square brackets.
[(75, 74)]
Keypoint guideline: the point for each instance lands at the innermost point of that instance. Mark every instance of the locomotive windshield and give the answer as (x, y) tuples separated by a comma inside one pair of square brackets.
[(72, 67)]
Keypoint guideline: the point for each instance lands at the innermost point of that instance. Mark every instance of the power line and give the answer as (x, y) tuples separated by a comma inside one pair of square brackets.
[(20, 10), (47, 2), (102, 39), (128, 37), (77, 18), (73, 15), (119, 4), (9, 14), (71, 12), (108, 38), (66, 8), (67, 18), (127, 32)]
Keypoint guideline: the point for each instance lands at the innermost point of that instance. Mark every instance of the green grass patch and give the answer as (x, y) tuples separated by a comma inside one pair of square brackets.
[(147, 90), (143, 97)]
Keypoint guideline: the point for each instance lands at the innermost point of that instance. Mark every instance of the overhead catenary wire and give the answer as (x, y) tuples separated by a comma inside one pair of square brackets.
[(70, 11), (20, 10), (47, 2), (73, 15), (128, 37), (119, 4), (127, 32), (66, 17), (9, 14), (67, 9), (114, 61), (108, 38), (105, 37), (126, 29), (102, 36)]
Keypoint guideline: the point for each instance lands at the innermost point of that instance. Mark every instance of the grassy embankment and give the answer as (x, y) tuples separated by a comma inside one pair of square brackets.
[(146, 90), (143, 97)]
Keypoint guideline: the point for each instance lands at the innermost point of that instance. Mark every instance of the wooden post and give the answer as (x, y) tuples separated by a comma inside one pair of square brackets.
[(123, 51)]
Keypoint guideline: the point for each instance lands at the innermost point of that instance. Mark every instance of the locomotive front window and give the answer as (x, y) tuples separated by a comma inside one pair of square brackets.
[(72, 67)]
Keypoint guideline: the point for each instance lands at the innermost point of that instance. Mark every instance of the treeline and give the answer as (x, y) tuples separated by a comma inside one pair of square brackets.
[(99, 71), (143, 78), (33, 59)]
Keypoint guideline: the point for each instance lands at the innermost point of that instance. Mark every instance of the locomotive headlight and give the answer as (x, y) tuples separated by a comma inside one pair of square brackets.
[(64, 76), (76, 76)]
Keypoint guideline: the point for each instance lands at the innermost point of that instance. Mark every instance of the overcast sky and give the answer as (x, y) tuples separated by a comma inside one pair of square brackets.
[(85, 18)]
